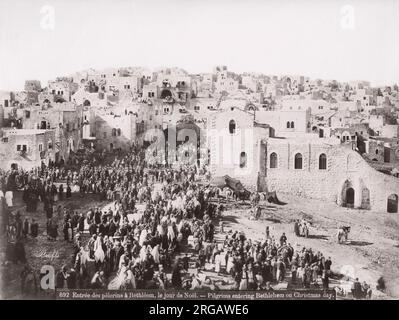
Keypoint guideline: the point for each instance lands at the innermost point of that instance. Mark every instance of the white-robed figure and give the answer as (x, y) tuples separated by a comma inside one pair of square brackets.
[(218, 262), (155, 254), (230, 263), (130, 280), (70, 232), (99, 254), (9, 197), (75, 188), (195, 284), (143, 253), (171, 233), (119, 281), (143, 236), (160, 230)]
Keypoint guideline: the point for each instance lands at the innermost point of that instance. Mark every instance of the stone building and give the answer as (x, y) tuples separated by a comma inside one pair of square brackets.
[(382, 149), (62, 89), (125, 83), (26, 148), (323, 170), (150, 91), (64, 118), (285, 122), (301, 164), (234, 141), (113, 131), (225, 83), (6, 98)]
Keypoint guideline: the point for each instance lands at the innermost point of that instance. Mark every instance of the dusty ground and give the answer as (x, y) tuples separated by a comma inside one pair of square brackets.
[(373, 250), (41, 251)]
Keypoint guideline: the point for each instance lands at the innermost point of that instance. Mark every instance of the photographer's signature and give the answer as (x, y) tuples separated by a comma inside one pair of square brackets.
[(42, 253)]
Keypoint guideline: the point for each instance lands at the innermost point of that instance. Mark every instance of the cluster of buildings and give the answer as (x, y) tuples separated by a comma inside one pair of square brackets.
[(321, 139)]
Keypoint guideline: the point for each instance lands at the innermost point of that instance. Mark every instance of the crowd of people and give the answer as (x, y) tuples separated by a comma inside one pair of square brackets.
[(301, 228), (155, 246), (142, 251)]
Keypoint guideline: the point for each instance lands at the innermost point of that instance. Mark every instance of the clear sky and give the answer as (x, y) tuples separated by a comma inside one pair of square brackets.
[(317, 38)]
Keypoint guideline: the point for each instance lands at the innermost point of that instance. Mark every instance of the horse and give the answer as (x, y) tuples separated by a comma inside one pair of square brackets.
[(342, 234)]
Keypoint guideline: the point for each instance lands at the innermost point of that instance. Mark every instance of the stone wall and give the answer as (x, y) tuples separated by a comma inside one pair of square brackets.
[(345, 169), (226, 148), (66, 122), (118, 132), (32, 158)]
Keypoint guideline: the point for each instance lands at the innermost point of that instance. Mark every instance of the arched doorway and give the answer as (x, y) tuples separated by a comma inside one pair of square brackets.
[(166, 93), (350, 197), (365, 199), (392, 203)]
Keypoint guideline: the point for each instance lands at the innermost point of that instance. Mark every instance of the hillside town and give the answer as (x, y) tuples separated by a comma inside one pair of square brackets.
[(133, 169)]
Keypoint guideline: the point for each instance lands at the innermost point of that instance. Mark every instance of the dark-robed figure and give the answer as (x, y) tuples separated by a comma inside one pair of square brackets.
[(68, 192), (176, 276)]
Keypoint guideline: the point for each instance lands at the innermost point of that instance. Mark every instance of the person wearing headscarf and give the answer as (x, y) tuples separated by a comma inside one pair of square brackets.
[(99, 254), (155, 254)]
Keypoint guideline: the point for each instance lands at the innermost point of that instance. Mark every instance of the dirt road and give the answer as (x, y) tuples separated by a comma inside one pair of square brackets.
[(373, 248)]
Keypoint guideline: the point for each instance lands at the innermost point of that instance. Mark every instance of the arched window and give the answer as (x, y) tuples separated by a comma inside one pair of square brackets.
[(322, 162), (232, 127), (292, 125), (376, 151), (273, 160), (113, 132), (119, 132), (86, 103), (243, 160), (298, 161), (288, 125)]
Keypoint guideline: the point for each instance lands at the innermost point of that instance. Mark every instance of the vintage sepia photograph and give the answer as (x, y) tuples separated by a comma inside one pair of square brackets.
[(199, 150)]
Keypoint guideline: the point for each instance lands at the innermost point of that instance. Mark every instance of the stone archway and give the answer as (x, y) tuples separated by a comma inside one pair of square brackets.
[(348, 195), (392, 203), (166, 93)]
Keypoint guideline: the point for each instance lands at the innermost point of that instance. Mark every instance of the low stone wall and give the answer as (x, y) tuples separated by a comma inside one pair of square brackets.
[(345, 169)]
